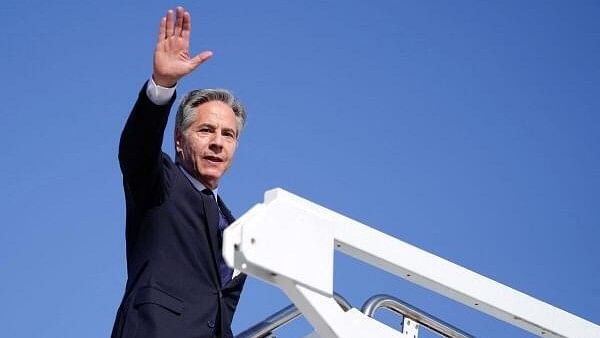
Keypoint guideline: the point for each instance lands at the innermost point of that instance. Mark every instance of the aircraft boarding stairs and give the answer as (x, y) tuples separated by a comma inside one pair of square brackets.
[(306, 276), (413, 317)]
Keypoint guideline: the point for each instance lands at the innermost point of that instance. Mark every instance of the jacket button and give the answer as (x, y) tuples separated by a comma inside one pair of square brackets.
[(210, 324)]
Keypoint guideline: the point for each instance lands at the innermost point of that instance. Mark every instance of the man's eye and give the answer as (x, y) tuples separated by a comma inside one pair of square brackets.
[(204, 130), (229, 134)]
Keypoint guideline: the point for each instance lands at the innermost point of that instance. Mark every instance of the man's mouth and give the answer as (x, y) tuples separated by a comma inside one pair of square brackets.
[(213, 158)]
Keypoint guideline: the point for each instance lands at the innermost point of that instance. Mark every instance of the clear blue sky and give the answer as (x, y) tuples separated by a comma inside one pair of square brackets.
[(469, 129)]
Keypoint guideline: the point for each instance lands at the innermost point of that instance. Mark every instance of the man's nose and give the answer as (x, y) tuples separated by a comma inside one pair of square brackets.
[(216, 142)]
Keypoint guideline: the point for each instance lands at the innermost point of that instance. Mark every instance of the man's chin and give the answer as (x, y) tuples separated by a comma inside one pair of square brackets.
[(210, 178)]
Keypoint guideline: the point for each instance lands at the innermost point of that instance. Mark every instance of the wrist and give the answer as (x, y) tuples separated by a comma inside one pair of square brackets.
[(164, 81)]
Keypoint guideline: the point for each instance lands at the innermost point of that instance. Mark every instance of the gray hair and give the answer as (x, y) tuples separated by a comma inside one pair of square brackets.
[(186, 113)]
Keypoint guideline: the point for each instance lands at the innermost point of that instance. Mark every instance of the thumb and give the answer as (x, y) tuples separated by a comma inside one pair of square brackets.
[(200, 58)]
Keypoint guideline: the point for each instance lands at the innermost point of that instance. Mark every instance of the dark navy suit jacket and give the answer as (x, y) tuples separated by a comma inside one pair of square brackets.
[(173, 243)]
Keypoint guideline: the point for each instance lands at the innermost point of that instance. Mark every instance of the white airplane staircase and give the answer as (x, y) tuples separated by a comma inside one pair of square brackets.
[(288, 224)]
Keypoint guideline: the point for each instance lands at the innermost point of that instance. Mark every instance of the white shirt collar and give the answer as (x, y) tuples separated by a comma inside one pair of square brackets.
[(197, 185)]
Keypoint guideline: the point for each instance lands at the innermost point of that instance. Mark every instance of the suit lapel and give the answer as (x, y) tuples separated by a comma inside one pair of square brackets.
[(225, 211), (234, 282)]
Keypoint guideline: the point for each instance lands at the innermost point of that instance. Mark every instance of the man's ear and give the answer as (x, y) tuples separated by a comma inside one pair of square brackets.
[(179, 142)]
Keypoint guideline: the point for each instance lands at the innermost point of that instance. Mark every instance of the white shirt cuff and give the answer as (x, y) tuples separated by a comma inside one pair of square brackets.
[(157, 94)]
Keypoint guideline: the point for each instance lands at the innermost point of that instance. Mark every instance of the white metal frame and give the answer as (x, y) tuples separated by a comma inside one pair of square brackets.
[(289, 241)]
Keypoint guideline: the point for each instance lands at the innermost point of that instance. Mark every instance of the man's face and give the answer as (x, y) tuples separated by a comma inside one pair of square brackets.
[(207, 146)]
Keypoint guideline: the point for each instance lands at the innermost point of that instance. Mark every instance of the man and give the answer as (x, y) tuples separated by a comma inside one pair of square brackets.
[(178, 285)]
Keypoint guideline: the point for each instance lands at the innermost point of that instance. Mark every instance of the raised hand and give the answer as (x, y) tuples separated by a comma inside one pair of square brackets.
[(172, 59)]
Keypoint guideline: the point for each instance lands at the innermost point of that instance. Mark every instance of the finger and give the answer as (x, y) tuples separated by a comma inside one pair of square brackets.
[(178, 21), (187, 26), (162, 29), (169, 24), (201, 58)]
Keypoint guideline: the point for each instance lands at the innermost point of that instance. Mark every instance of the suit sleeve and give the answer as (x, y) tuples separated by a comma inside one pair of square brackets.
[(140, 152)]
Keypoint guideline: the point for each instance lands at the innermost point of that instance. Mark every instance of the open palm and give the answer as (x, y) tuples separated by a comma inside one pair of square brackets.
[(172, 59)]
